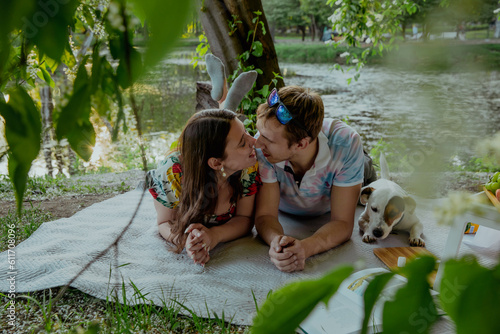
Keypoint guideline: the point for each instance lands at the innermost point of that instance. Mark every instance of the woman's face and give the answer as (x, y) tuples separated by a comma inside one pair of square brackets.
[(240, 151)]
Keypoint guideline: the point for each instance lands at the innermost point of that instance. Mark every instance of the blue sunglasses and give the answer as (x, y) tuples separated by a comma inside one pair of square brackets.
[(283, 115)]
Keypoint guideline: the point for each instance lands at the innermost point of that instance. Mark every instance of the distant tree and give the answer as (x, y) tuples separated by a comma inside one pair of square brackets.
[(285, 14), (317, 12)]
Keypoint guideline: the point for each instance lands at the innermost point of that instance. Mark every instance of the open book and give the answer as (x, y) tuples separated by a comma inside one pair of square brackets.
[(345, 310)]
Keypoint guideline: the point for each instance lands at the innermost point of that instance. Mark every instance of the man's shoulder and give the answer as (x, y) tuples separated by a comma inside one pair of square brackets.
[(338, 132)]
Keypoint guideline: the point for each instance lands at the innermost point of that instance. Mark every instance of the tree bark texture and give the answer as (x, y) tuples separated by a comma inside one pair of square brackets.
[(228, 44), (313, 27), (203, 98), (48, 128)]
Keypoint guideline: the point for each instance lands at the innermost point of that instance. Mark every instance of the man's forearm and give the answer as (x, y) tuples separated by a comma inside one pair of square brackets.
[(268, 227), (327, 237)]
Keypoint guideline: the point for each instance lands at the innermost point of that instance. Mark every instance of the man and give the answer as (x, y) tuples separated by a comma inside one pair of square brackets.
[(309, 166)]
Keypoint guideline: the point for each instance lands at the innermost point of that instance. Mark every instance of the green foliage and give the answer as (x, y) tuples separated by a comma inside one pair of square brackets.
[(316, 53), (412, 310), (165, 20), (284, 14), (468, 292), (201, 49), (22, 131), (48, 187), (74, 119), (470, 295), (25, 224), (36, 41), (285, 309), (254, 97), (371, 296), (369, 21)]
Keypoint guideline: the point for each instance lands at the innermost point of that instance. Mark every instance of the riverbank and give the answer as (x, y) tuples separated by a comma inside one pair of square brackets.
[(437, 55)]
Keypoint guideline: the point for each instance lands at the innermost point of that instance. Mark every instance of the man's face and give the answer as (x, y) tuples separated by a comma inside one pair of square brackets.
[(272, 141)]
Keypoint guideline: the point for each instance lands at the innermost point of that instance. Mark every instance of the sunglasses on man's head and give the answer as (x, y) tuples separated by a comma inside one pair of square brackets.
[(282, 113)]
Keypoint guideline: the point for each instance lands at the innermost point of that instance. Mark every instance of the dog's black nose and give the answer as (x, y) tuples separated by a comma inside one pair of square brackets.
[(377, 233)]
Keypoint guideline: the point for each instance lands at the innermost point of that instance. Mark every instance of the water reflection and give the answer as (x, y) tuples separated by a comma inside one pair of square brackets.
[(169, 95), (418, 114), (422, 110)]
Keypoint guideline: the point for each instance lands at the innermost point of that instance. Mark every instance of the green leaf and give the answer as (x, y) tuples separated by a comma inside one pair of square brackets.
[(128, 75), (14, 15), (88, 15), (258, 49), (74, 119), (67, 57), (166, 20), (250, 32), (285, 309), (263, 27), (97, 71), (119, 117), (412, 310), (47, 77), (371, 295), (47, 26), (264, 91), (22, 131), (469, 293)]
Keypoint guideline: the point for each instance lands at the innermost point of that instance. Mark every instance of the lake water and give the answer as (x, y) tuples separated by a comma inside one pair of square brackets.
[(414, 116)]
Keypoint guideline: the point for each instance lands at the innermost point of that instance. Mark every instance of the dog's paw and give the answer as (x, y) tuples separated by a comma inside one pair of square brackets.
[(363, 225), (368, 238), (418, 242)]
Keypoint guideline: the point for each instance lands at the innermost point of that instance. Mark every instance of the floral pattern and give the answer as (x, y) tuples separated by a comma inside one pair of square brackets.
[(165, 185), (339, 162)]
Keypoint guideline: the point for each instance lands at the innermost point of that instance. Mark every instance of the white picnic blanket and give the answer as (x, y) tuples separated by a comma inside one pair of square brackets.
[(237, 271)]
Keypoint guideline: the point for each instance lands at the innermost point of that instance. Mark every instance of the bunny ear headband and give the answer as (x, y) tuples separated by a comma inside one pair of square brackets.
[(240, 87)]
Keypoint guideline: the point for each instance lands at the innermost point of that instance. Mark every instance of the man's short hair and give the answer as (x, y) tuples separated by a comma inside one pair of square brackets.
[(307, 108)]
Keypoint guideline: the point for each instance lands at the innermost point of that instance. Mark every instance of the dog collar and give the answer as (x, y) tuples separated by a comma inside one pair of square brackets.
[(402, 217)]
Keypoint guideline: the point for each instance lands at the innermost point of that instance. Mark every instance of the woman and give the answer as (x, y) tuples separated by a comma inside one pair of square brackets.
[(205, 189)]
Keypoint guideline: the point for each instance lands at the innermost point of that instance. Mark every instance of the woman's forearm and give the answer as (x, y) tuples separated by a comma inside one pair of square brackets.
[(165, 232), (237, 227)]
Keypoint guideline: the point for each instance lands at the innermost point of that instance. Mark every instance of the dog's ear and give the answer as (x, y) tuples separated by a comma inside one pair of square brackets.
[(365, 195), (394, 209), (410, 204)]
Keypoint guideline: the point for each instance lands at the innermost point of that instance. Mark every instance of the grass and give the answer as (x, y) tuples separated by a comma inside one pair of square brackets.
[(26, 224), (41, 187), (312, 53), (76, 311), (445, 56), (439, 55)]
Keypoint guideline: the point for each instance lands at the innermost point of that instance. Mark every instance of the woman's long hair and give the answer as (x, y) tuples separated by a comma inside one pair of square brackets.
[(203, 137)]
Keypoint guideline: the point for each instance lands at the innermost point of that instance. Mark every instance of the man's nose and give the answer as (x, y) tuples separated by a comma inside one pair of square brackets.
[(258, 143)]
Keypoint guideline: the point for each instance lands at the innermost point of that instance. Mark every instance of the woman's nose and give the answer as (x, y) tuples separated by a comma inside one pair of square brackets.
[(251, 141)]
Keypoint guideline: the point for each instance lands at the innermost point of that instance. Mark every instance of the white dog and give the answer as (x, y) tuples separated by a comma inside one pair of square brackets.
[(388, 207)]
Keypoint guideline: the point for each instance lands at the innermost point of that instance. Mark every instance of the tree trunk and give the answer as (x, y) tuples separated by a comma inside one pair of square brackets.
[(313, 27), (48, 128), (228, 45), (203, 98), (303, 30)]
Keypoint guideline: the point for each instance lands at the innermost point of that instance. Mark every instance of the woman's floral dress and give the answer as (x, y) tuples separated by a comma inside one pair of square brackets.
[(165, 185)]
